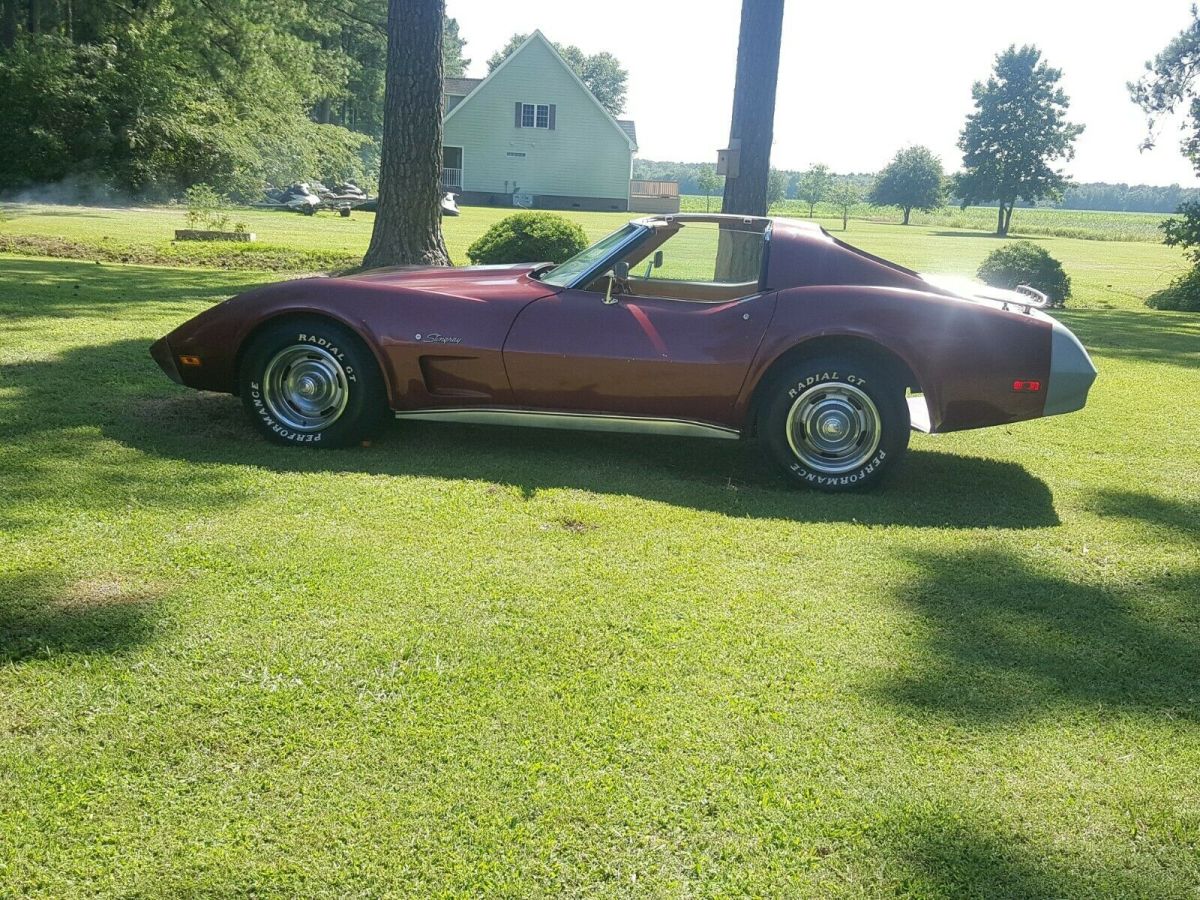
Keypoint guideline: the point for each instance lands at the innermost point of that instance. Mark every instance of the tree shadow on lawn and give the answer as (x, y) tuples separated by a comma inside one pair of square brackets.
[(987, 235), (965, 852), (1150, 336), (41, 615), (1178, 519), (1004, 639), (140, 409), (80, 287)]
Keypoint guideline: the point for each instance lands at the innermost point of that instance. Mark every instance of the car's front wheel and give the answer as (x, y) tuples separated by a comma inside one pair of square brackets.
[(834, 424), (312, 382)]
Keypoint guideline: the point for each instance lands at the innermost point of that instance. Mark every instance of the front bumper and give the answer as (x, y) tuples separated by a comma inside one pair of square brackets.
[(1071, 373), (160, 352)]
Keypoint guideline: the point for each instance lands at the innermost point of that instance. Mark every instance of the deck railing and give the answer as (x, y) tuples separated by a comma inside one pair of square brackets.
[(451, 179), (654, 188)]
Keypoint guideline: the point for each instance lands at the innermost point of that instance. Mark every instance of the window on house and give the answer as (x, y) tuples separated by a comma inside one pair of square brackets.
[(537, 115)]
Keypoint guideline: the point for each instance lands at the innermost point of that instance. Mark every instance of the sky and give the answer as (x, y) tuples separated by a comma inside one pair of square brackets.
[(859, 79)]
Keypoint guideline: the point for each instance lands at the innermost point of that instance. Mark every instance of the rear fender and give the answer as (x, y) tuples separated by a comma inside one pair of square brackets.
[(963, 356)]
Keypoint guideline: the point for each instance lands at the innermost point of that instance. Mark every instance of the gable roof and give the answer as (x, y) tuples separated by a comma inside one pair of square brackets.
[(629, 128), (538, 36), (460, 87)]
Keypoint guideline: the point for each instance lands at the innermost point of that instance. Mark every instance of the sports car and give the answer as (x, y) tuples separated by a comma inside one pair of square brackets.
[(703, 325)]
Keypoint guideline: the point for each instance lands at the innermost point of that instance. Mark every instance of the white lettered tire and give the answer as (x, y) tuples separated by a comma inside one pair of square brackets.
[(834, 423), (312, 382)]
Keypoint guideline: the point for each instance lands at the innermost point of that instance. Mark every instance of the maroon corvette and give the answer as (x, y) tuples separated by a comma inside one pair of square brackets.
[(713, 326)]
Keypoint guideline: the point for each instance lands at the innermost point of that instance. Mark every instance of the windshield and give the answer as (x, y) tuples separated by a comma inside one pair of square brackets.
[(585, 260)]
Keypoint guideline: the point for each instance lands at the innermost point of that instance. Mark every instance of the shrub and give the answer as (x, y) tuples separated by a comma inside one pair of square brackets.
[(205, 209), (1023, 262), (528, 237), (1182, 294)]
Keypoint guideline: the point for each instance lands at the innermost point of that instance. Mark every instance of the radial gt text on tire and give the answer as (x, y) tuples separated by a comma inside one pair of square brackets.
[(835, 423), (310, 381)]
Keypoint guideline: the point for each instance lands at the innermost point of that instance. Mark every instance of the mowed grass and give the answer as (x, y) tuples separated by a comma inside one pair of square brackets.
[(1075, 223), (1105, 274), (467, 661)]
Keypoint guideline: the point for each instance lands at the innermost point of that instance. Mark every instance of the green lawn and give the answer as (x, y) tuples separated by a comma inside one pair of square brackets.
[(469, 661), (1080, 223), (1106, 273)]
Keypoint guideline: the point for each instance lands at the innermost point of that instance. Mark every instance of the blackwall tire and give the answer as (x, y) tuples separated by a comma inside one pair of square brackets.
[(313, 383), (834, 423)]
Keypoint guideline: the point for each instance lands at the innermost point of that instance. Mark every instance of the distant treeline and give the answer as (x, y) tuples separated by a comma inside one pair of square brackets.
[(1090, 195)]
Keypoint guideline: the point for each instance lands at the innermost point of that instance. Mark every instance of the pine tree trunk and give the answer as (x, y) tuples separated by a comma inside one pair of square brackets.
[(408, 224), (8, 24), (753, 120), (35, 16)]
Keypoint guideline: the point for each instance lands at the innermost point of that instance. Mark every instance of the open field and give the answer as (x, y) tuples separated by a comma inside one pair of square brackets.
[(1106, 274), (1073, 223), (466, 660)]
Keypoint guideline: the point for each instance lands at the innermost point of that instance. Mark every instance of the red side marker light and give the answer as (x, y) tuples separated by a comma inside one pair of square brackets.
[(1027, 387), (195, 361)]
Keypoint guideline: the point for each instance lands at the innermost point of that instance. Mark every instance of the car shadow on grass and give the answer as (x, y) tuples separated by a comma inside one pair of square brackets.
[(43, 616), (127, 399), (1003, 637)]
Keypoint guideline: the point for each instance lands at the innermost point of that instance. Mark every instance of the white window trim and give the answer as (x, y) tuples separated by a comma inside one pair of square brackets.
[(534, 112)]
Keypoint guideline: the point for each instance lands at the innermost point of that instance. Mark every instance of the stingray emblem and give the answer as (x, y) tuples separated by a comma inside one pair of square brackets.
[(436, 339)]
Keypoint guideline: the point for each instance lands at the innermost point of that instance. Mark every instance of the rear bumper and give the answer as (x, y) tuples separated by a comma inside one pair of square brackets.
[(1071, 373), (160, 352)]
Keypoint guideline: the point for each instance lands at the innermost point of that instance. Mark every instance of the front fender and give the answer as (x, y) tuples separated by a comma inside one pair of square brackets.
[(217, 336)]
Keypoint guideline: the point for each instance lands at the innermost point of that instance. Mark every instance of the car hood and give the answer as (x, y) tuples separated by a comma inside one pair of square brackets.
[(510, 282)]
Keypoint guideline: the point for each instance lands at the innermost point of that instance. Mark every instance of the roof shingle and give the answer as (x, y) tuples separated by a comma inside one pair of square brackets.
[(629, 128), (460, 87)]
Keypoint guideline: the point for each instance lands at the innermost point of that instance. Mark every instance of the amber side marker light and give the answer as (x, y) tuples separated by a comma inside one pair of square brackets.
[(189, 360), (1027, 387)]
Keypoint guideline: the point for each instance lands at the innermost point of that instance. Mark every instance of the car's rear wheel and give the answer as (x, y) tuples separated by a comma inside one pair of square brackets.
[(834, 423), (314, 382)]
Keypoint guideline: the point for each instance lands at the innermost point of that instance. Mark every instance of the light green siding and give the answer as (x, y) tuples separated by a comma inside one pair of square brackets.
[(585, 155)]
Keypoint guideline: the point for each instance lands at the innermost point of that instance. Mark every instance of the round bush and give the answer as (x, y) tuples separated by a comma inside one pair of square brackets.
[(1182, 294), (1023, 262), (528, 237)]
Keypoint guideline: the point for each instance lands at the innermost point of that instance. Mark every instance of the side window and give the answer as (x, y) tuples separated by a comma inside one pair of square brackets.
[(705, 252)]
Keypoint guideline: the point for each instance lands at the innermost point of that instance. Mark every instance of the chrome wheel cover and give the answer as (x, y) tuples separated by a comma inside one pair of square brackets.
[(305, 388), (833, 428)]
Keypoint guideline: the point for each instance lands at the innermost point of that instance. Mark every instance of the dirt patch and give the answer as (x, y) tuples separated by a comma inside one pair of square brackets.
[(103, 591), (575, 526)]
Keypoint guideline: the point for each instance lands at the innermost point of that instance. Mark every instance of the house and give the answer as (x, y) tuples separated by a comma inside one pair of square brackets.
[(531, 134)]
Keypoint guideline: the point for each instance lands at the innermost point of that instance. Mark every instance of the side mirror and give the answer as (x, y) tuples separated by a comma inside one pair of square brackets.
[(658, 259), (620, 272)]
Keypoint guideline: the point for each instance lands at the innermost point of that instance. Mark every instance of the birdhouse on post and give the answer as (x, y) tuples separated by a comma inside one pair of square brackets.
[(729, 159)]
